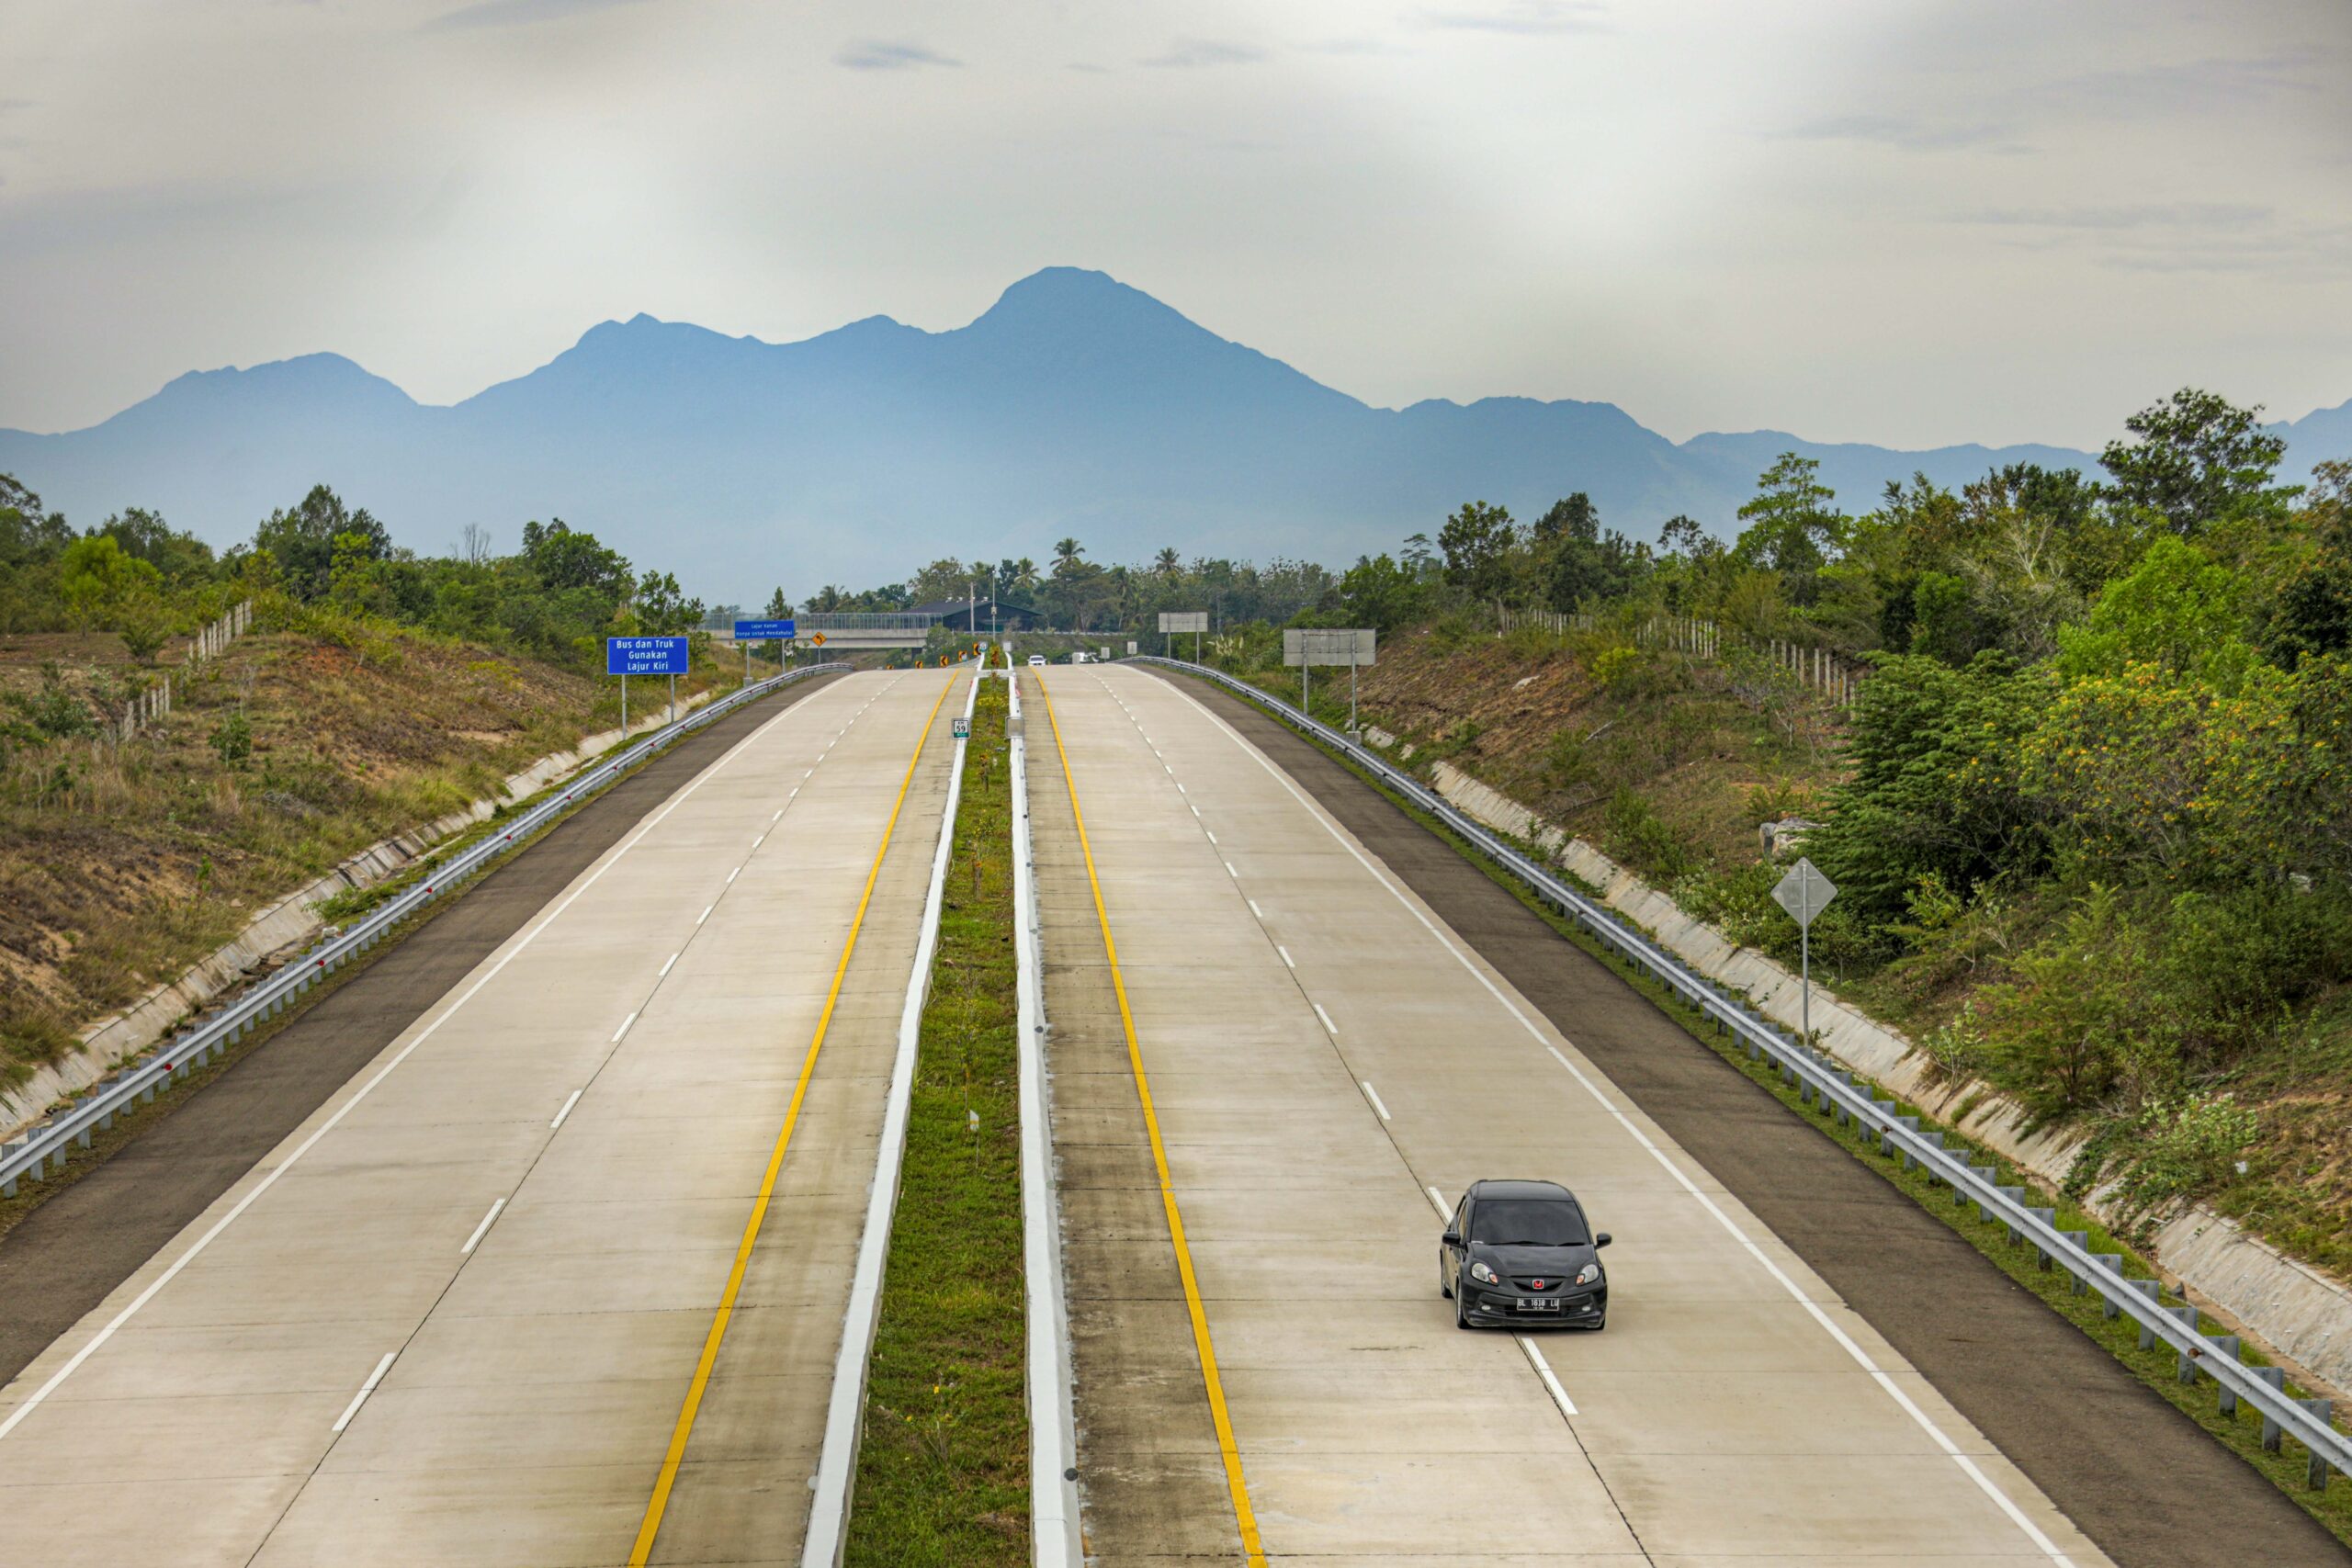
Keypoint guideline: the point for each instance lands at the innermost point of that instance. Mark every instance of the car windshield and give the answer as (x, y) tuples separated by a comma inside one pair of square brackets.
[(1528, 1222)]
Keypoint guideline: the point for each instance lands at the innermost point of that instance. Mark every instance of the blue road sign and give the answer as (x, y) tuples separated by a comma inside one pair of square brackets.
[(764, 631), (645, 655)]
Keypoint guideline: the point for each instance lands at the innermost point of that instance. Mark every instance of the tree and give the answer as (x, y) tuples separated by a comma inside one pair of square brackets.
[(28, 531), (1477, 542), (95, 578), (1166, 562), (302, 539), (779, 607), (1794, 527), (566, 558), (1574, 518), (2178, 610), (1376, 591), (1682, 536), (1066, 554), (1418, 557), (662, 609), (945, 579), (144, 535), (473, 543), (2199, 458)]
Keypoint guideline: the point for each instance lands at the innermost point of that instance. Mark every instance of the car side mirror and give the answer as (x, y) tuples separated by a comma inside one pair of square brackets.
[(1451, 1238), (1602, 1240)]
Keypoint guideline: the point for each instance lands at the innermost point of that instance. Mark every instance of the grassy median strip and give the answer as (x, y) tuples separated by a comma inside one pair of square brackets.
[(942, 1469), (2241, 1433)]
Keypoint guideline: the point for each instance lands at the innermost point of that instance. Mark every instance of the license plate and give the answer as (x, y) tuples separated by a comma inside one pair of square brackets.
[(1528, 1305)]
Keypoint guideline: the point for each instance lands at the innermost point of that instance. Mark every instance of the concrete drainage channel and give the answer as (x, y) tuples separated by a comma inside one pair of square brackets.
[(43, 1151), (1852, 1101)]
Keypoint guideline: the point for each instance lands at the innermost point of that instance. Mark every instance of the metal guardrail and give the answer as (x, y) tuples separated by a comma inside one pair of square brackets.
[(44, 1149), (1849, 1098)]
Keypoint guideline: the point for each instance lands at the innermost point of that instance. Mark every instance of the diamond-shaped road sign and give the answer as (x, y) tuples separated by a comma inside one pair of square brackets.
[(1804, 893)]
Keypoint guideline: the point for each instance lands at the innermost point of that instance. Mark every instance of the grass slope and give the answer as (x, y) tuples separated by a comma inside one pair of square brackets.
[(120, 864), (942, 1471)]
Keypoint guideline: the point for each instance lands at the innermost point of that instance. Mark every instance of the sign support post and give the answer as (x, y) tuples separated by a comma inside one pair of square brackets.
[(1305, 647), (627, 656), (1804, 893)]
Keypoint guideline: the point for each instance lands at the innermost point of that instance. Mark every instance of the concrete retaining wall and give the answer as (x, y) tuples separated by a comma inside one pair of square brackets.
[(2305, 1315), (292, 920)]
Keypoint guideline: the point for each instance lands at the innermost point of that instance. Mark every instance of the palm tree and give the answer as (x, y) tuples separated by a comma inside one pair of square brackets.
[(1066, 554), (1165, 562)]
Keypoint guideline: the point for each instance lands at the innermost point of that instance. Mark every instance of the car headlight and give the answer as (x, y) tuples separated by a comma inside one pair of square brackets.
[(1482, 1274), (1589, 1274)]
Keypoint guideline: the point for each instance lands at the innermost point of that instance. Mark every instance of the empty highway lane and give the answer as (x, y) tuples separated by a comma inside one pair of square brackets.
[(1261, 1112), (545, 1283)]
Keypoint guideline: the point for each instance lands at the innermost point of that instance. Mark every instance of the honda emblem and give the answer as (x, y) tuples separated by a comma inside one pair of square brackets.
[(1539, 1284)]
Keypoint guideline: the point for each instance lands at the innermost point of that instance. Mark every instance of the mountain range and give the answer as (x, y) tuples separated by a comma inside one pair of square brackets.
[(1075, 405)]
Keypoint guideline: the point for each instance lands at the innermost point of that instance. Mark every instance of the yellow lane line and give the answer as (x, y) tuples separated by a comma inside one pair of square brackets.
[(661, 1500), (1243, 1514)]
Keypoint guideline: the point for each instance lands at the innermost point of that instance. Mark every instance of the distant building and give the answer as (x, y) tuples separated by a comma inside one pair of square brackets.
[(965, 615)]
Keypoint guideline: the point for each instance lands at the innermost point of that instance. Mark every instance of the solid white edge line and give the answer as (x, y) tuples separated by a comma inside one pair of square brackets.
[(1544, 1371), (567, 1108), (1332, 1028), (366, 1389), (1055, 1529), (482, 1229), (837, 1460), (1984, 1484), (34, 1400), (1373, 1095)]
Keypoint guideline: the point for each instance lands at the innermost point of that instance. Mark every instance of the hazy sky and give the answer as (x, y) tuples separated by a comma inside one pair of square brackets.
[(1910, 223)]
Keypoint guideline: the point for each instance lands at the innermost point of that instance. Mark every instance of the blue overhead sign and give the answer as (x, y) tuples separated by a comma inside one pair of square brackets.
[(765, 631), (645, 655)]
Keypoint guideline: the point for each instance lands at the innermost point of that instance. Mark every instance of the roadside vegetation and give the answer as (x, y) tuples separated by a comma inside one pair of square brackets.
[(2090, 811), (942, 1472), (376, 690)]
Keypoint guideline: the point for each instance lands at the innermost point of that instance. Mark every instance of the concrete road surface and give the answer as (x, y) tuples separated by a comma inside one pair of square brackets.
[(1330, 1065), (454, 1316)]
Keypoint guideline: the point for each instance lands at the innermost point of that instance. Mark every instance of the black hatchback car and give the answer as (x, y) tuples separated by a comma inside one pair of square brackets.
[(1521, 1252)]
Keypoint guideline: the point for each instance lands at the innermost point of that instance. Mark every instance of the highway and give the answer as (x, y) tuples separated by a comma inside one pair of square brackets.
[(558, 1278), (1327, 1065), (545, 1257)]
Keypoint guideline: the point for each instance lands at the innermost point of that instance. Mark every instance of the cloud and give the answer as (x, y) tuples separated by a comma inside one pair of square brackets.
[(2195, 84), (2114, 217), (1189, 54), (872, 54), (2178, 236), (516, 13), (1910, 134), (1526, 18)]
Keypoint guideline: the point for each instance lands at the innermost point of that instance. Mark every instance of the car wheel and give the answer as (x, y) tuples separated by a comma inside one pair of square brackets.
[(1443, 1288), (1461, 1312)]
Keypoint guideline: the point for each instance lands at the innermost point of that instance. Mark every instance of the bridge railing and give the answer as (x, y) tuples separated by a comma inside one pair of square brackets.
[(1851, 1100), (42, 1151)]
